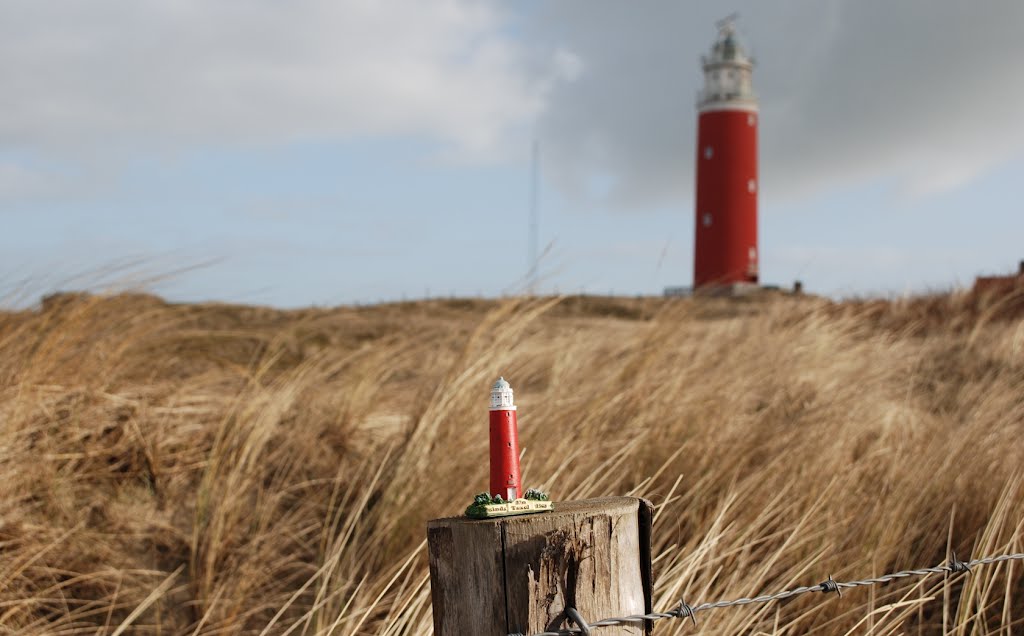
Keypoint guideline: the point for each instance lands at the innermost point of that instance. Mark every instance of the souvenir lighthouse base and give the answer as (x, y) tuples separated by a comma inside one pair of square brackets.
[(484, 506)]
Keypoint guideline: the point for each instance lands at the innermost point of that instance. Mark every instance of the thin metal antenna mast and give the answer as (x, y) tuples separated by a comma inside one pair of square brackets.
[(534, 230)]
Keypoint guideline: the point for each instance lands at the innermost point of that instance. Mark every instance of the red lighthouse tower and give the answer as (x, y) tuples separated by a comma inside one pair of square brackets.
[(505, 477), (725, 257)]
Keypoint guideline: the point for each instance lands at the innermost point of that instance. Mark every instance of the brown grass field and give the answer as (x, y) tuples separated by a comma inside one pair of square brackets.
[(214, 469)]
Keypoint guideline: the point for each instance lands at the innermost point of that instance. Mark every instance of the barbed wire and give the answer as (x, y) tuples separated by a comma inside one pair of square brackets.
[(684, 610)]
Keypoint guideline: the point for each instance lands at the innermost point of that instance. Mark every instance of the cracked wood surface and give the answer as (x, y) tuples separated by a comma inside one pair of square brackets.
[(518, 574)]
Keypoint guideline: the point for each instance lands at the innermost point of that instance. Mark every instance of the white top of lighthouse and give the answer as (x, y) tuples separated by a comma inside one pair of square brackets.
[(501, 396), (727, 73)]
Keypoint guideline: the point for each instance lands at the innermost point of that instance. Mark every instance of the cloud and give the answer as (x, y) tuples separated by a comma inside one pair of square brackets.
[(111, 73), (923, 93), (17, 181)]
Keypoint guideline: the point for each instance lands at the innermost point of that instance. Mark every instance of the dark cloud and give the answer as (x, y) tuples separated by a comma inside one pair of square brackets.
[(920, 92), (923, 92)]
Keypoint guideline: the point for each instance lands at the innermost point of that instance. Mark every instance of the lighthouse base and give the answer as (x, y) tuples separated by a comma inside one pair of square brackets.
[(730, 290), (734, 289), (484, 506), (516, 507)]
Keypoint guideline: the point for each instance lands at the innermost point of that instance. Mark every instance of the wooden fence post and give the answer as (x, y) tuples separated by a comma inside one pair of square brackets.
[(516, 575)]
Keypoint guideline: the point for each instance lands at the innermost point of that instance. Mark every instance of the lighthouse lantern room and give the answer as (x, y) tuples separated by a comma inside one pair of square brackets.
[(725, 255)]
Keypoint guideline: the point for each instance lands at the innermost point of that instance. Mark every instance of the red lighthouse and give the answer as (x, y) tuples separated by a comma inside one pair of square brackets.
[(505, 478), (725, 256)]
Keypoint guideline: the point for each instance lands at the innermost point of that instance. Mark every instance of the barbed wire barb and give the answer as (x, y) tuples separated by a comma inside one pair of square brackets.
[(957, 565), (830, 586), (684, 610)]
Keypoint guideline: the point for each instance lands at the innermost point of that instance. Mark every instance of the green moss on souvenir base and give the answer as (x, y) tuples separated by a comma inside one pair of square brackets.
[(485, 506)]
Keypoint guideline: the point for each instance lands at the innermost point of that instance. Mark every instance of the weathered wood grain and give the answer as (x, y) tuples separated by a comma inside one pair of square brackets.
[(467, 576), (518, 574)]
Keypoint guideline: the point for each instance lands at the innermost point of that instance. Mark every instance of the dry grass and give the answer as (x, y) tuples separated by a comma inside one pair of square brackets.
[(219, 470)]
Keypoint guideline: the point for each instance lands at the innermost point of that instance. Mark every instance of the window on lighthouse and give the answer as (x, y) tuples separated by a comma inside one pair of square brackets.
[(707, 219), (709, 152), (751, 186)]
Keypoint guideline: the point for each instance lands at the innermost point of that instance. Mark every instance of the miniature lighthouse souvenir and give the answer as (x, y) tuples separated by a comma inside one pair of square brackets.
[(506, 496)]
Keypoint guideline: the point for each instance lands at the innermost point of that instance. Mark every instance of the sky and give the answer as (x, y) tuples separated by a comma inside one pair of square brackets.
[(325, 152)]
